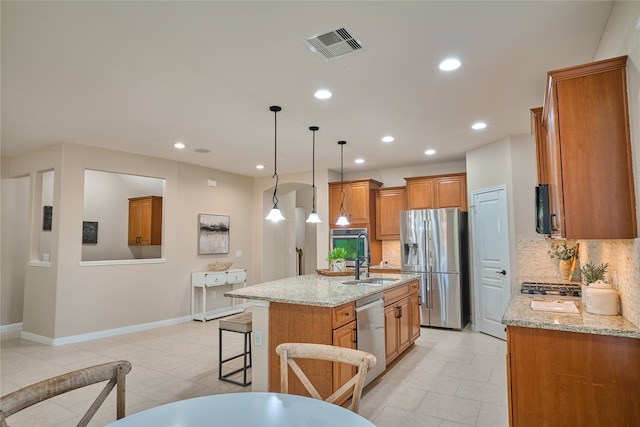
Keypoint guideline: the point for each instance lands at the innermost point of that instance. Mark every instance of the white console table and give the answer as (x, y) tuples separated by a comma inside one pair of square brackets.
[(209, 279)]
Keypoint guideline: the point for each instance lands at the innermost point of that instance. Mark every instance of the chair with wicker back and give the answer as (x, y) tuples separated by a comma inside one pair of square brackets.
[(361, 359), (113, 372)]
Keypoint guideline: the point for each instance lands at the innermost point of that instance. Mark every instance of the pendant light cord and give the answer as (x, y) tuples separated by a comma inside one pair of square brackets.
[(275, 153), (342, 176), (313, 167)]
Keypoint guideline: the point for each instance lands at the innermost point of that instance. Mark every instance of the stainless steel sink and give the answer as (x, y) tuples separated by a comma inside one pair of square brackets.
[(369, 282)]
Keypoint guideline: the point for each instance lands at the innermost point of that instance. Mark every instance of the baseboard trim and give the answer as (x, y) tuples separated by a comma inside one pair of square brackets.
[(101, 334), (8, 332)]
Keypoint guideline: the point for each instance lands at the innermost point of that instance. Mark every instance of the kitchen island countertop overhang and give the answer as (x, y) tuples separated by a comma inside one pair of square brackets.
[(320, 309), (317, 290)]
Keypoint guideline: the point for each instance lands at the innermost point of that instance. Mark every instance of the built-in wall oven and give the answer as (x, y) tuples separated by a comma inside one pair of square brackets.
[(347, 238)]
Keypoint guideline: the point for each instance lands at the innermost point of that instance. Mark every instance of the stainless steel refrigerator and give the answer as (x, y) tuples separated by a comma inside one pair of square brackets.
[(434, 244)]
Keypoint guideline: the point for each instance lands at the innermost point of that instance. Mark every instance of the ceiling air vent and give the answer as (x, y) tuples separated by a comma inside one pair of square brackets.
[(333, 44)]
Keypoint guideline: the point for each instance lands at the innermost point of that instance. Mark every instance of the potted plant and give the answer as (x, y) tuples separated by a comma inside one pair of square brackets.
[(336, 259), (565, 256), (591, 273)]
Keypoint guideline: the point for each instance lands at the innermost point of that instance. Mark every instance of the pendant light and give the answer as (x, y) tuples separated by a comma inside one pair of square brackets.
[(313, 216), (343, 219), (275, 215)]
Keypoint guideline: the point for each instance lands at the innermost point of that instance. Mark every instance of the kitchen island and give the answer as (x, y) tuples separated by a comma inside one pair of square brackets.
[(570, 369), (321, 309)]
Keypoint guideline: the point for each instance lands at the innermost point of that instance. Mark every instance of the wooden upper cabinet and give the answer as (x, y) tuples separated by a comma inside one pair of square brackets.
[(587, 120), (359, 202), (451, 191), (360, 208), (438, 191), (389, 202), (540, 134), (145, 221), (420, 193)]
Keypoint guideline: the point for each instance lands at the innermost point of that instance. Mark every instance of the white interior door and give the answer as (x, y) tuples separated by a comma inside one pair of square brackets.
[(491, 255)]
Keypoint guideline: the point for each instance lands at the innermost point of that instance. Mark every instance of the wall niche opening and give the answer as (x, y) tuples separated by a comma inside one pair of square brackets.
[(116, 226)]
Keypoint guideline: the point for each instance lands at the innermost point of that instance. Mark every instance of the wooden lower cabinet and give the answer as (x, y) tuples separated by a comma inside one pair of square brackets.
[(560, 378), (401, 324), (345, 336), (311, 324)]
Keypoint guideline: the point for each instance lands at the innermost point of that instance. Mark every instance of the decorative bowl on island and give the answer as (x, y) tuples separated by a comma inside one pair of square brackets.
[(220, 266)]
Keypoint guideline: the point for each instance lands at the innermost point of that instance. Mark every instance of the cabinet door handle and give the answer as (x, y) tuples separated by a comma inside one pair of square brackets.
[(355, 335), (398, 312)]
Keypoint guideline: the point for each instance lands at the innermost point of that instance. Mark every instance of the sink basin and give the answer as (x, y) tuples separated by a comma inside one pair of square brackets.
[(369, 282)]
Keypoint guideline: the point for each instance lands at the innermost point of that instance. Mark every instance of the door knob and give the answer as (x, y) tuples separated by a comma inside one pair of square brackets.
[(503, 272)]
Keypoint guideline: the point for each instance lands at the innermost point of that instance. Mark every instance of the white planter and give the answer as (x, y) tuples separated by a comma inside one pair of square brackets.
[(337, 265)]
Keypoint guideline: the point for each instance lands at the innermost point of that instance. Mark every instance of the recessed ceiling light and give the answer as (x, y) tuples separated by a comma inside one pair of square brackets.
[(359, 161), (322, 94), (259, 166), (430, 152), (387, 139), (449, 64), (179, 145), (478, 125)]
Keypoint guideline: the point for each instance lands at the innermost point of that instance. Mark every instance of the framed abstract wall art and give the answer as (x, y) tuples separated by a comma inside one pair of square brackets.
[(213, 234)]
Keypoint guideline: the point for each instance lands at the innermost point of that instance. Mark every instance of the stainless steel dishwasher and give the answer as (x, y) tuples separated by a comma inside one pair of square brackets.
[(370, 328)]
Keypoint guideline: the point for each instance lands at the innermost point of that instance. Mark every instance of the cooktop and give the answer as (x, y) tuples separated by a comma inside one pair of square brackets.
[(568, 289)]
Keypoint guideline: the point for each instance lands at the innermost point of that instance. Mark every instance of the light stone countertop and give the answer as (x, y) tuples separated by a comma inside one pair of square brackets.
[(377, 267), (519, 313), (317, 290)]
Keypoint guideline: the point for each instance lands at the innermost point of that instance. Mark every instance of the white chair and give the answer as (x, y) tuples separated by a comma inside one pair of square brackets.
[(361, 359)]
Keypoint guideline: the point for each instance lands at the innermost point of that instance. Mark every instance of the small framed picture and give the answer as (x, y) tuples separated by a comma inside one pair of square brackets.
[(213, 234), (89, 232)]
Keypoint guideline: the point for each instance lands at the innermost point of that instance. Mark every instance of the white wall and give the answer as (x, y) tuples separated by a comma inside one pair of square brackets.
[(493, 165), (622, 37), (15, 229), (274, 238), (68, 299)]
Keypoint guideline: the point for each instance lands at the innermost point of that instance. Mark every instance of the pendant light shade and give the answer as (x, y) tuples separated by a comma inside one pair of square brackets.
[(313, 216), (275, 215), (343, 219)]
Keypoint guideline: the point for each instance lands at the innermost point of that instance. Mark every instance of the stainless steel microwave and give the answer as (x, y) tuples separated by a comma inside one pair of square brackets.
[(347, 238), (543, 216)]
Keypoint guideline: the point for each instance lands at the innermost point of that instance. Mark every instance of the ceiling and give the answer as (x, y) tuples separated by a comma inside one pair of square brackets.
[(139, 76)]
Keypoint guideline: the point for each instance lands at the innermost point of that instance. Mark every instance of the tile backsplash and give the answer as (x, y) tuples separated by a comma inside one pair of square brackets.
[(391, 252), (623, 257)]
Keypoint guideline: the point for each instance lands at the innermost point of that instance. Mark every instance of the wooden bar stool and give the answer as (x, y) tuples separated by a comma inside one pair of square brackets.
[(240, 323)]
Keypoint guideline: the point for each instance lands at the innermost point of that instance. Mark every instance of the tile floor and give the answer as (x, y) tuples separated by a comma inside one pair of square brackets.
[(450, 378)]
